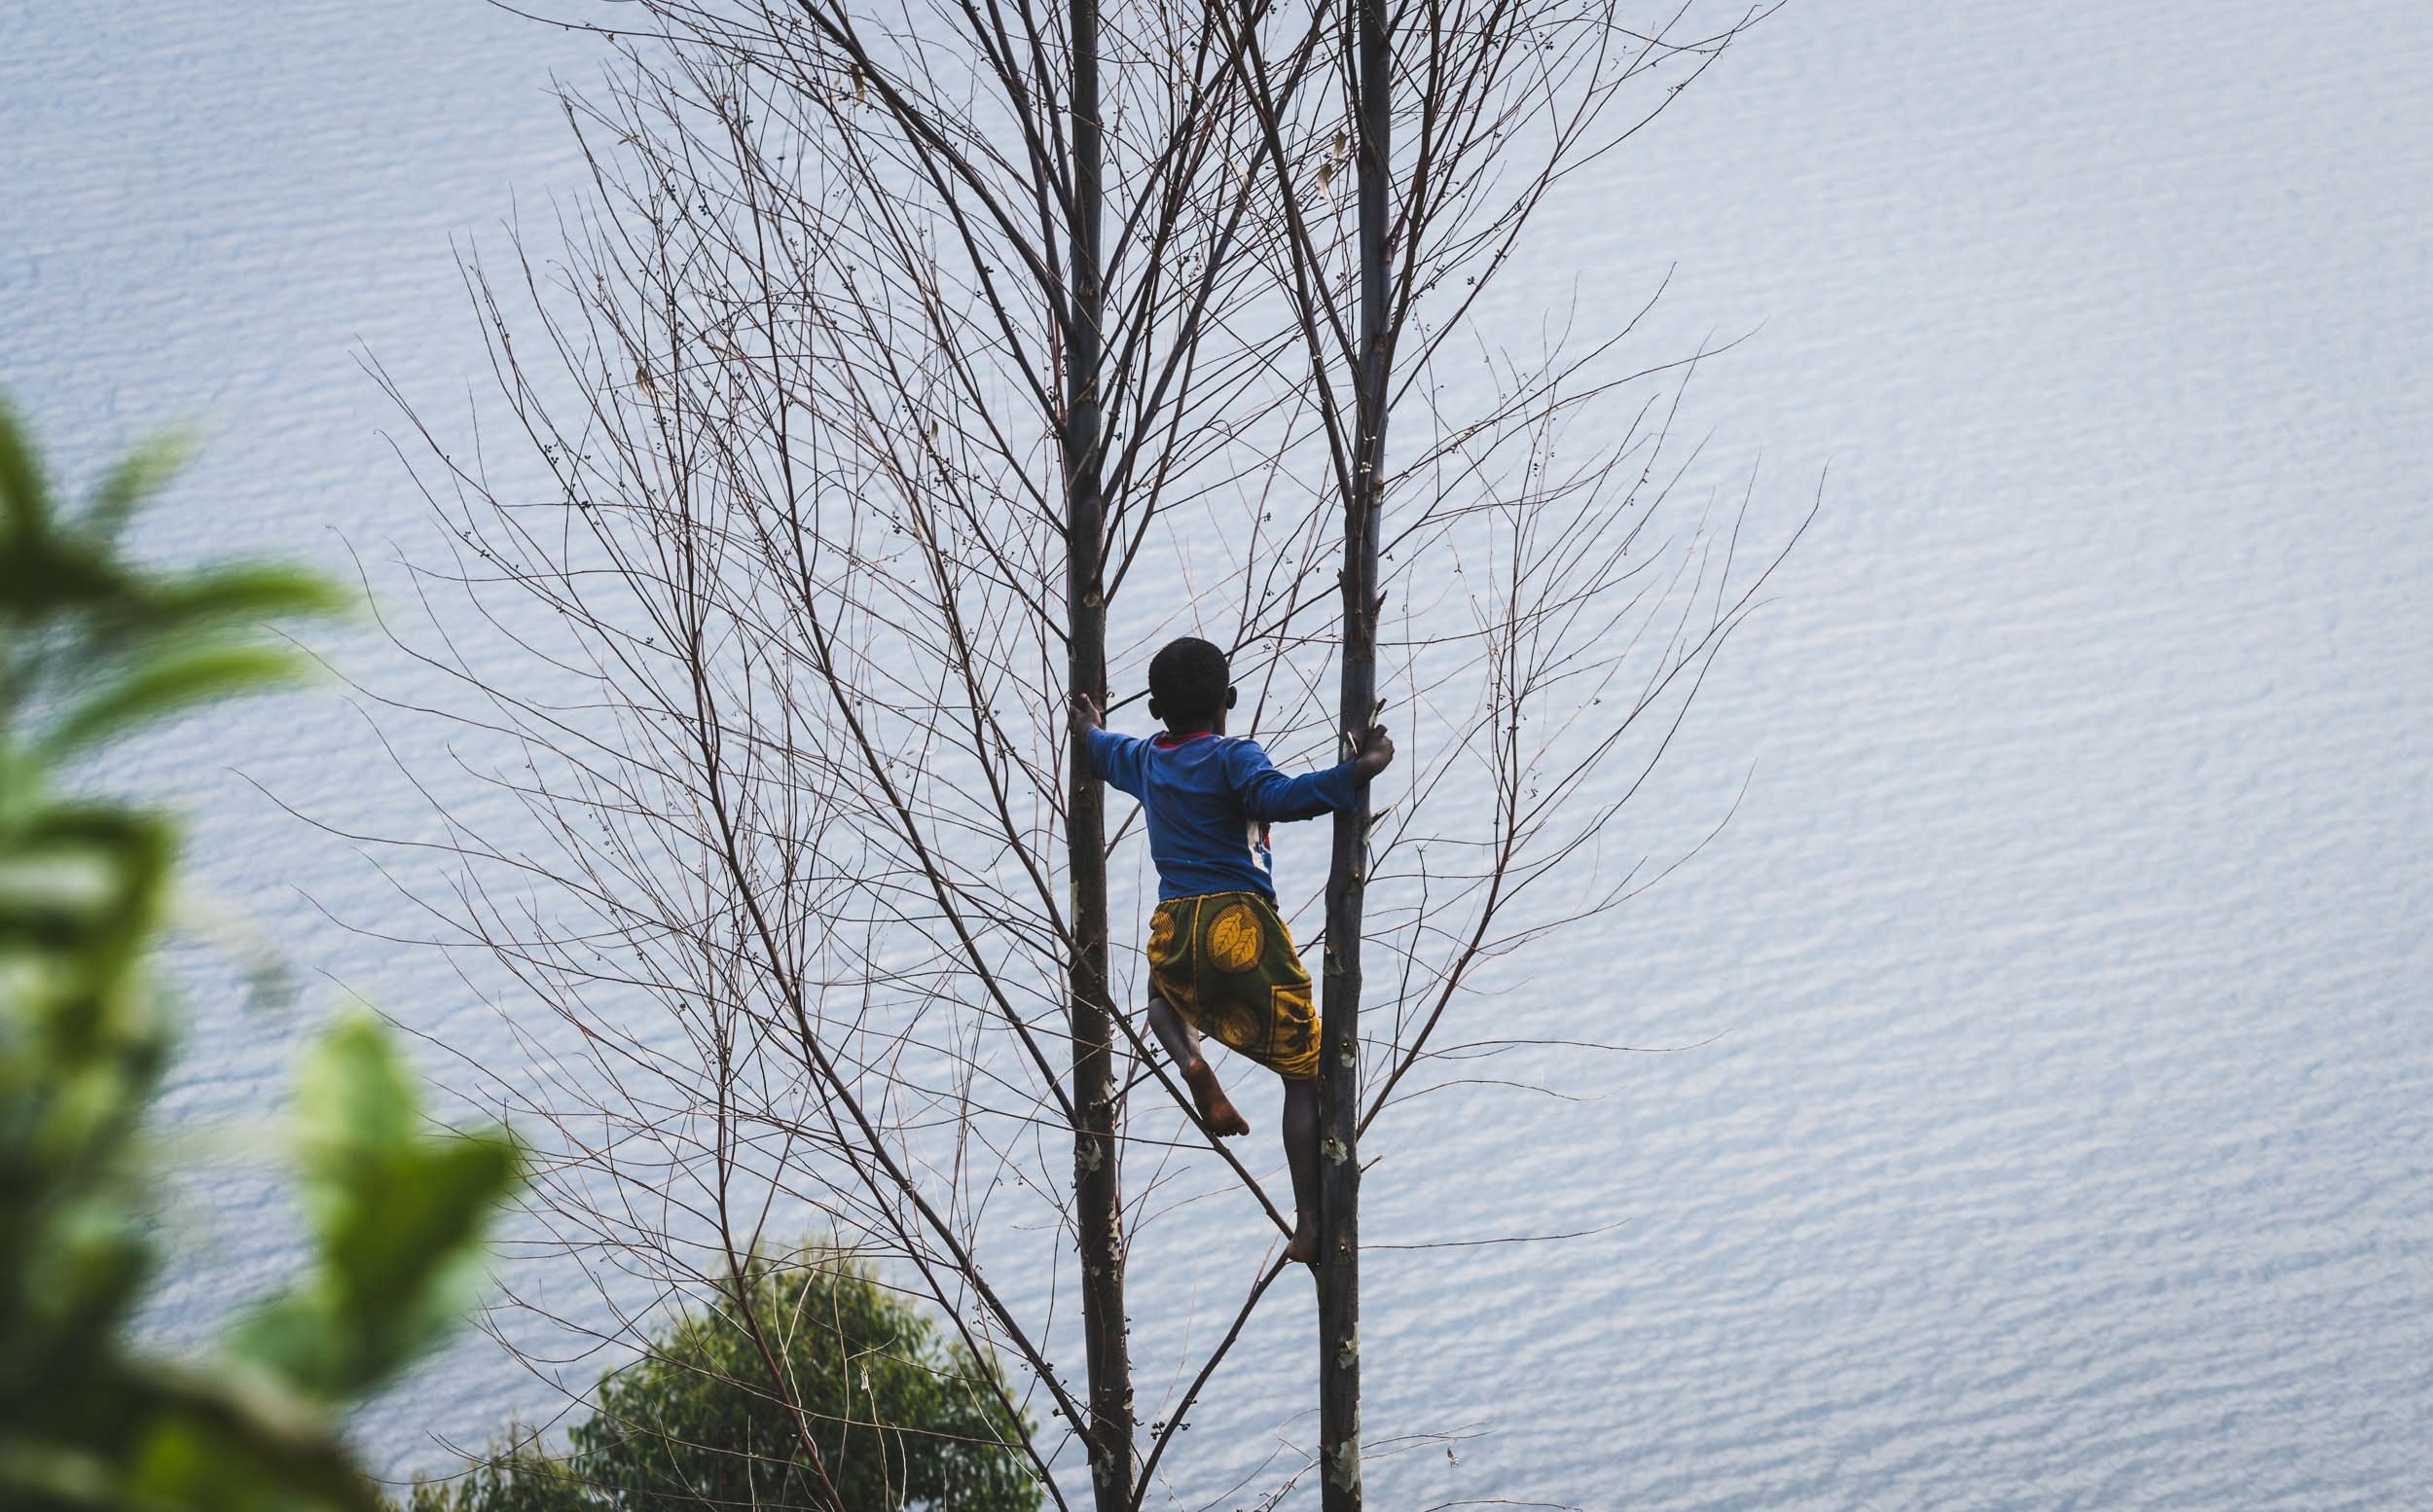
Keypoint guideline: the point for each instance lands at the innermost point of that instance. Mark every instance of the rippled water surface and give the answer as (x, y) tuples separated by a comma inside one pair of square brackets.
[(2058, 1134)]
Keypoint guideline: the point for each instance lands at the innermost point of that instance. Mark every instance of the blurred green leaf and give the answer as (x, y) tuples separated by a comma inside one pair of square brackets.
[(248, 591), (44, 575), (397, 1213), (133, 481), (21, 497), (165, 685)]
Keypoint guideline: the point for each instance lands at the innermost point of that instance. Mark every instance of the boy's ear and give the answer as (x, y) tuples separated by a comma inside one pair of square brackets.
[(1153, 713), (1230, 695)]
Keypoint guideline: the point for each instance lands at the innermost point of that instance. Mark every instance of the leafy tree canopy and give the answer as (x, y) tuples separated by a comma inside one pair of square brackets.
[(900, 1417)]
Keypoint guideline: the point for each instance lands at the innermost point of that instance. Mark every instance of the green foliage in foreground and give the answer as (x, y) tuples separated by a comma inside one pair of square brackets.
[(91, 647), (901, 1417)]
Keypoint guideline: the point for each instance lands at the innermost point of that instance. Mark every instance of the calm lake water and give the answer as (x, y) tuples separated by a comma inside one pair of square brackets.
[(2058, 1134)]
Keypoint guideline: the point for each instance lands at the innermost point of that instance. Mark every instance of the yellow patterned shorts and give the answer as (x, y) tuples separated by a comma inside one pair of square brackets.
[(1227, 964)]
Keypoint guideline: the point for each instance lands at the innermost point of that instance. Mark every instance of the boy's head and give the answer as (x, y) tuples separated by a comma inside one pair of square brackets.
[(1190, 687)]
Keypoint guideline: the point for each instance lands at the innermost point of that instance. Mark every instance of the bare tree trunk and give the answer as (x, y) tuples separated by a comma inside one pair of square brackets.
[(1098, 1189), (1339, 1057)]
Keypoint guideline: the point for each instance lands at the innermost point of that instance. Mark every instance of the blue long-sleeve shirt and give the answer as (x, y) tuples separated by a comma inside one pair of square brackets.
[(1210, 799)]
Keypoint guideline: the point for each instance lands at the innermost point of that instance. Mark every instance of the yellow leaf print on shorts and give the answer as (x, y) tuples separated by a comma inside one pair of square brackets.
[(1235, 938), (1161, 947)]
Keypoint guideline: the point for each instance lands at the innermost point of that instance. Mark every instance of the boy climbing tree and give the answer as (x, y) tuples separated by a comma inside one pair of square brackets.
[(1221, 962)]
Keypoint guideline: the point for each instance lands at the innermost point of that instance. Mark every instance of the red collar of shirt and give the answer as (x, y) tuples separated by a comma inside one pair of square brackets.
[(1166, 739)]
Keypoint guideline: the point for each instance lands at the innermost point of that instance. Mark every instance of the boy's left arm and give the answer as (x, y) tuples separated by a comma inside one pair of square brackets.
[(1267, 794)]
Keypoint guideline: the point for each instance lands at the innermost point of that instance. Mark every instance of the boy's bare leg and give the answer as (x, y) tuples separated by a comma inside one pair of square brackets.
[(1300, 1152), (1183, 1047)]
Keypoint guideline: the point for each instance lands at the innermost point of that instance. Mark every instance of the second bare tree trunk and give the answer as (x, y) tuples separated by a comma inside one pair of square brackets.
[(1098, 1189), (1339, 1083)]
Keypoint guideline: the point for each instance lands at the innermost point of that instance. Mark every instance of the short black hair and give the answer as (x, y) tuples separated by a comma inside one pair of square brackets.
[(1188, 679)]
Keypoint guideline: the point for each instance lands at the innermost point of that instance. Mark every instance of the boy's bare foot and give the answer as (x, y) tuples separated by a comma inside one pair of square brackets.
[(1303, 1245), (1216, 1110)]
